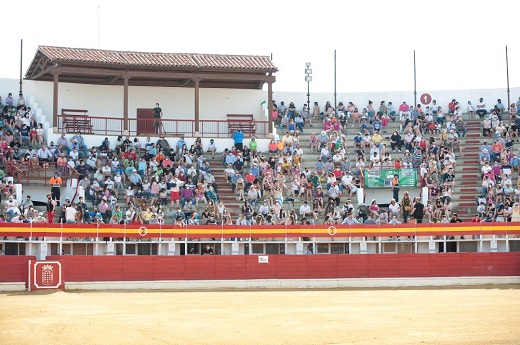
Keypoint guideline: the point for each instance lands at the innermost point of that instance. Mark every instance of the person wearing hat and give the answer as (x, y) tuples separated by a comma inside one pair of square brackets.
[(12, 209), (135, 179), (323, 138)]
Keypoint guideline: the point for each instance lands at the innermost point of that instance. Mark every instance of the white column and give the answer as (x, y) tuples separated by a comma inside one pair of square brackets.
[(360, 195), (425, 196), (81, 190), (18, 191)]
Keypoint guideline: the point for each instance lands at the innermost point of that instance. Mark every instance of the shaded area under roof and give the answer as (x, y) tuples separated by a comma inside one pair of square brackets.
[(109, 67)]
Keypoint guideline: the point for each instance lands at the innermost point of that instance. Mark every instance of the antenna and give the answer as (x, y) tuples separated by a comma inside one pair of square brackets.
[(99, 25)]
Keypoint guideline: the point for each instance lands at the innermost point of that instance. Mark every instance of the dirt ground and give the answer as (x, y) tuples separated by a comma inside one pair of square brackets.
[(483, 315)]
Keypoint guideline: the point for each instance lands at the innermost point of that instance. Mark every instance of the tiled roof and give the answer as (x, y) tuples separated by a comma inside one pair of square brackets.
[(183, 60)]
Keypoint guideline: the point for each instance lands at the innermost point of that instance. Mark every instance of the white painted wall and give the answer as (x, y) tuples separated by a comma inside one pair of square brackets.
[(103, 100)]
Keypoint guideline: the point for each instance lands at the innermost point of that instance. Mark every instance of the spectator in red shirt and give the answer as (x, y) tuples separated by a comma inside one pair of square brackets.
[(451, 106), (496, 149)]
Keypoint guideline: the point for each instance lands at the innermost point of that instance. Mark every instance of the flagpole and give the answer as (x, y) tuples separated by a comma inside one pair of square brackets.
[(414, 81), (507, 75), (335, 99), (21, 62)]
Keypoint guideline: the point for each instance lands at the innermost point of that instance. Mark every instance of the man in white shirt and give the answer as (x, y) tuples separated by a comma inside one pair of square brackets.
[(305, 210), (11, 206), (486, 168), (481, 108), (212, 148), (74, 154), (337, 158), (44, 154), (346, 181), (486, 185), (264, 209), (394, 208), (70, 214)]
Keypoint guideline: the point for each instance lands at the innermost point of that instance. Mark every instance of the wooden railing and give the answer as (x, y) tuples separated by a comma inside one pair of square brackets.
[(169, 127)]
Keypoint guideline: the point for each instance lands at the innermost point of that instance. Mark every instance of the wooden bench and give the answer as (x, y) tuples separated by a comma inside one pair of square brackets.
[(76, 120), (244, 122)]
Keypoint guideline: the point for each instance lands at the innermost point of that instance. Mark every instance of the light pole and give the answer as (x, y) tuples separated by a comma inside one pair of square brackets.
[(308, 79)]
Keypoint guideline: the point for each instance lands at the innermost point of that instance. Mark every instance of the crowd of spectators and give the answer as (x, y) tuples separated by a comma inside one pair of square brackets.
[(158, 181), (500, 197)]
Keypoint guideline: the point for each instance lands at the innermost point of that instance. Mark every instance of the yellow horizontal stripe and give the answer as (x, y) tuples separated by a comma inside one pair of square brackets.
[(5, 230)]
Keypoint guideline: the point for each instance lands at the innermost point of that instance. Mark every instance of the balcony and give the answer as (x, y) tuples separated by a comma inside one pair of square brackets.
[(147, 127)]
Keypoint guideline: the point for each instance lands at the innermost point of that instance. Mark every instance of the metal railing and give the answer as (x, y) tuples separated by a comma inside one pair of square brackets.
[(144, 127), (39, 172)]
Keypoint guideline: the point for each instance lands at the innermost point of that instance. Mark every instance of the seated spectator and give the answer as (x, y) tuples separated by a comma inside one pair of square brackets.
[(481, 108)]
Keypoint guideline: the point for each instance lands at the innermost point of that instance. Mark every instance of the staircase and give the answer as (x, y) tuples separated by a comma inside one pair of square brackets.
[(468, 181)]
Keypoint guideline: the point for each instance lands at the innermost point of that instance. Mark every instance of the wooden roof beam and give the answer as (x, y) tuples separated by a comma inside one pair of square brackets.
[(163, 74)]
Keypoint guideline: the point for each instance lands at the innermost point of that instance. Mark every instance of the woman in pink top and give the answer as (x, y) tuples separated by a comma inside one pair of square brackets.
[(154, 190), (374, 209)]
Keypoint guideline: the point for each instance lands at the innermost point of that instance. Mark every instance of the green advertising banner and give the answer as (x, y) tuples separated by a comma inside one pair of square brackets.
[(383, 178)]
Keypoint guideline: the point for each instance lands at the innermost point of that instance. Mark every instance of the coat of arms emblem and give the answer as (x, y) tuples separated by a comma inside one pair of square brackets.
[(47, 275)]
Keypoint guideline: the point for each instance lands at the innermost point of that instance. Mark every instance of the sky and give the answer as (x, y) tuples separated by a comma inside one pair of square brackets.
[(458, 44)]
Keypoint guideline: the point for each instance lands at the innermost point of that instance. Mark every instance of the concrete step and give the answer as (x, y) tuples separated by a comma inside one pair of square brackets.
[(467, 204), (469, 190)]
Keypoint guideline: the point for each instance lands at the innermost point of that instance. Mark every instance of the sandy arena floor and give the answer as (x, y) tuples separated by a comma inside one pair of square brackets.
[(484, 315)]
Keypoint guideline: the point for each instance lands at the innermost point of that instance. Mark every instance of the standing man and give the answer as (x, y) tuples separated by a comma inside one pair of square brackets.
[(238, 137), (55, 183), (157, 115), (51, 209)]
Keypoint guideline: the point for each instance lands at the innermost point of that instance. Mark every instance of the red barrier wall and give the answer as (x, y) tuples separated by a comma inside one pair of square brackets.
[(149, 268), (14, 269)]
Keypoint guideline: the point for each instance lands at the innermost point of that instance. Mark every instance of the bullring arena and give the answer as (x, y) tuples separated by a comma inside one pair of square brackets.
[(203, 233), (471, 315)]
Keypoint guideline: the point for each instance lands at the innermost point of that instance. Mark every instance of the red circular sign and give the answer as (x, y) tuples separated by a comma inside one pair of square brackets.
[(426, 98)]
